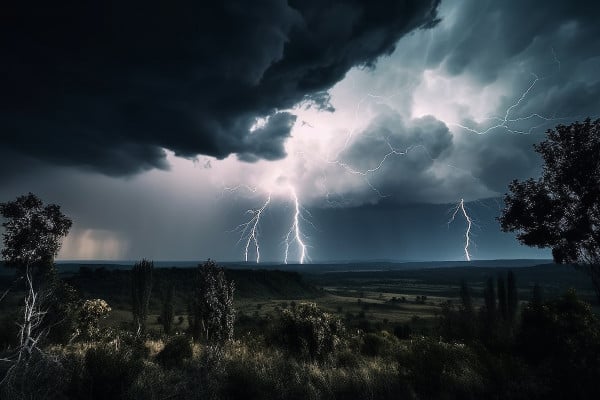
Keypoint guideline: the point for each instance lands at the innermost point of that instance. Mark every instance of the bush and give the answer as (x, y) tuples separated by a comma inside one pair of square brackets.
[(109, 371), (175, 352), (92, 311), (438, 368), (9, 331), (382, 344), (308, 332), (40, 376), (561, 339)]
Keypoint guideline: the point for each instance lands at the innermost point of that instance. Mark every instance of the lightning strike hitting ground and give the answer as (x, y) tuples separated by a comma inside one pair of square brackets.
[(295, 234), (249, 230), (461, 206)]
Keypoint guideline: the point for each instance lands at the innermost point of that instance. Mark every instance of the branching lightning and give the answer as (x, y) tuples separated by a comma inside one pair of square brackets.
[(249, 232), (295, 234), (461, 206)]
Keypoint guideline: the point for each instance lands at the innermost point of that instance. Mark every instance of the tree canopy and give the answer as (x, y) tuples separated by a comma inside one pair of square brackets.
[(561, 209), (33, 231)]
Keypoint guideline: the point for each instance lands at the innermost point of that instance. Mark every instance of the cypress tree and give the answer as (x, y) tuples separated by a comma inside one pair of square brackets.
[(512, 297), (536, 297), (489, 297), (465, 298), (167, 311), (141, 287), (502, 304)]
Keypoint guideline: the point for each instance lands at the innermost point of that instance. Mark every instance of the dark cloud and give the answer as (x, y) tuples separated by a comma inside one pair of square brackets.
[(106, 85), (487, 35), (405, 161)]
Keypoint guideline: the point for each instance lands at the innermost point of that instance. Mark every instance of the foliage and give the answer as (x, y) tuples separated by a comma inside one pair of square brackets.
[(561, 209), (167, 312), (63, 307), (561, 338), (437, 368), (33, 232), (141, 288), (41, 376), (109, 371), (176, 350), (382, 344), (460, 324), (308, 332), (512, 297), (211, 308), (90, 314)]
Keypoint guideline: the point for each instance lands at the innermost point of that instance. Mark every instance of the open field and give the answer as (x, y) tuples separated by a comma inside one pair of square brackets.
[(371, 296)]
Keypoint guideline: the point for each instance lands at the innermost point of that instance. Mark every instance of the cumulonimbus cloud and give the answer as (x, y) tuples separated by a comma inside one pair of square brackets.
[(108, 86)]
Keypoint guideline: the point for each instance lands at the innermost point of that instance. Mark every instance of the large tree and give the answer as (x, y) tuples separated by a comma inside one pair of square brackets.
[(32, 238), (561, 209), (33, 232)]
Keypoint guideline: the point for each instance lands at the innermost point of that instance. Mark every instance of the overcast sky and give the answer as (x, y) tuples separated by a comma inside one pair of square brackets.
[(162, 129)]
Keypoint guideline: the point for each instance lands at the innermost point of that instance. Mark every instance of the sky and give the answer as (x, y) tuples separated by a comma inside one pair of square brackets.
[(298, 131)]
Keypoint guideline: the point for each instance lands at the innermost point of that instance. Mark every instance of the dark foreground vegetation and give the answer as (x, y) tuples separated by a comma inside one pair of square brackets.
[(492, 343)]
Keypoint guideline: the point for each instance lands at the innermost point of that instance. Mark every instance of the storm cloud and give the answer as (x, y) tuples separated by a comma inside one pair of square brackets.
[(107, 86), (380, 115)]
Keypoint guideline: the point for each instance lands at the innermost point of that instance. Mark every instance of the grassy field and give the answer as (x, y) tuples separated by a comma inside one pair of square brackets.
[(375, 299)]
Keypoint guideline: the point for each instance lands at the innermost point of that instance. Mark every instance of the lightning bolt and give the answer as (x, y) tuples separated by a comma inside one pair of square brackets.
[(249, 232), (507, 121), (295, 234), (461, 207)]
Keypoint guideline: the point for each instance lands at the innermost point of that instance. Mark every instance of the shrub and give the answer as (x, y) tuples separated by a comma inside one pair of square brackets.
[(40, 376), (92, 311), (306, 331), (402, 331), (561, 338), (9, 331), (436, 368), (167, 312), (109, 371), (382, 344), (175, 352)]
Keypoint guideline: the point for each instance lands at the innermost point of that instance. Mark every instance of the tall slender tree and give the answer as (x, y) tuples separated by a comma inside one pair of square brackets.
[(489, 297), (512, 297), (141, 288), (502, 305), (465, 298), (167, 311), (211, 308)]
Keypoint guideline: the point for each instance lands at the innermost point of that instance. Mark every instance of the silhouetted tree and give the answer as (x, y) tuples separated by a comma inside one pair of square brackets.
[(489, 298), (167, 312), (561, 209), (32, 238), (33, 232), (211, 308), (502, 306), (489, 312), (537, 297), (467, 313), (465, 298), (512, 297), (141, 288)]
